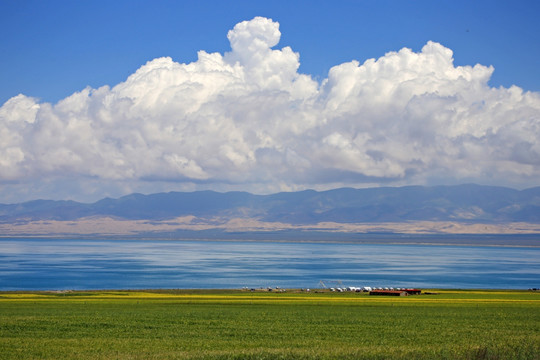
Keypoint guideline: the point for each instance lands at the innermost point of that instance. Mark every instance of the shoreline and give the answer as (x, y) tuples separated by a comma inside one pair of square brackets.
[(213, 291), (465, 240)]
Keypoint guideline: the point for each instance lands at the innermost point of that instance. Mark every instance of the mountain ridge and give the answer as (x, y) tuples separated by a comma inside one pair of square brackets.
[(464, 203)]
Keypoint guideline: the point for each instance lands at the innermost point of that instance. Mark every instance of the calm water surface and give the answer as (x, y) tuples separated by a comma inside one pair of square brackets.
[(115, 264)]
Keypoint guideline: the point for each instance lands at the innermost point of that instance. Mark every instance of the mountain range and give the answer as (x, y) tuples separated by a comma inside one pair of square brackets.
[(462, 203)]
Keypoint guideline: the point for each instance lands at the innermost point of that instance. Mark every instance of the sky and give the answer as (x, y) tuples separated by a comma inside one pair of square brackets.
[(107, 98)]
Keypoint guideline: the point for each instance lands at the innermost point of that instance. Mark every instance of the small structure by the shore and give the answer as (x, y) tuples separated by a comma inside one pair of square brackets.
[(388, 293), (401, 292)]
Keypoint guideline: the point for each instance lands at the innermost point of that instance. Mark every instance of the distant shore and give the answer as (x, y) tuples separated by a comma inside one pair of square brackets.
[(192, 228), (491, 240)]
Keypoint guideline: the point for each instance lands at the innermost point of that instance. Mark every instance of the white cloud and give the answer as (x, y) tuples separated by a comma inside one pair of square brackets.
[(248, 119)]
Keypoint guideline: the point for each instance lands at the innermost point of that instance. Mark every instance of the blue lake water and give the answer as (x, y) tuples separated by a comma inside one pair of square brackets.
[(32, 264)]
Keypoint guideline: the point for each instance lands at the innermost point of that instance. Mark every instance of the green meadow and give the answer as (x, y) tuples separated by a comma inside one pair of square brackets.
[(231, 324)]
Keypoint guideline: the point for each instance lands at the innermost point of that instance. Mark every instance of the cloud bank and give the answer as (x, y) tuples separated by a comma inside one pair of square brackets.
[(247, 119)]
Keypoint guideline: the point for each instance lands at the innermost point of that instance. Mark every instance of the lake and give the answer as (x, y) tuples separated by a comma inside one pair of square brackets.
[(48, 264)]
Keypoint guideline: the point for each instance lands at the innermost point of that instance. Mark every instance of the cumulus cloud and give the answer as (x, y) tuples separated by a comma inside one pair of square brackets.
[(248, 118)]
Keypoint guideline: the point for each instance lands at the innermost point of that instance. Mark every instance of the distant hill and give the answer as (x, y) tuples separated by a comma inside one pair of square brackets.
[(464, 203)]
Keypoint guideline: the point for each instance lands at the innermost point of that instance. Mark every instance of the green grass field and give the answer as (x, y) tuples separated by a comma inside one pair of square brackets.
[(293, 325)]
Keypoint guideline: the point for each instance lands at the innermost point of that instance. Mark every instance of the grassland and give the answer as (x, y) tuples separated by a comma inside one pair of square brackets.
[(261, 325)]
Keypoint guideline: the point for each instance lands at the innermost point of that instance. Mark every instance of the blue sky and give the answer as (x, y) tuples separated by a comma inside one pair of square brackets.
[(104, 98), (54, 48)]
